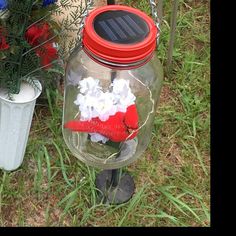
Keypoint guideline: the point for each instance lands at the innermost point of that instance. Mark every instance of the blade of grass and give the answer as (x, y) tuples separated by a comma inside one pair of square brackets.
[(92, 184), (200, 159), (39, 174), (165, 215), (206, 211), (87, 214), (135, 200), (191, 192), (50, 102), (69, 199), (49, 174), (1, 189), (63, 168), (178, 202), (47, 216), (198, 155)]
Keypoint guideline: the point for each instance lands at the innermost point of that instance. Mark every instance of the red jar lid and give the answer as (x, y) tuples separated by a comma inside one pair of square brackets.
[(119, 34)]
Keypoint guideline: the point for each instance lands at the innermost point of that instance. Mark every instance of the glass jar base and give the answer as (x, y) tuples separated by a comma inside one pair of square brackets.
[(107, 157)]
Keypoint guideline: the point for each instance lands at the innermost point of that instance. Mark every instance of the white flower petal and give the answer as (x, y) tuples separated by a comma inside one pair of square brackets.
[(93, 102), (89, 85)]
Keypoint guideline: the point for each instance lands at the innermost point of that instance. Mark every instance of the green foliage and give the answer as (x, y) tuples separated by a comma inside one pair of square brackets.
[(21, 61), (70, 24)]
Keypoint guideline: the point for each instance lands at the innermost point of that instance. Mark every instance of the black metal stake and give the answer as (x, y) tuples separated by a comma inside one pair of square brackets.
[(115, 187), (115, 177), (115, 173)]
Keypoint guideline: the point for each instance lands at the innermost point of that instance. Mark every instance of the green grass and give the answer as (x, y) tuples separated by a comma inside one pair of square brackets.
[(53, 188)]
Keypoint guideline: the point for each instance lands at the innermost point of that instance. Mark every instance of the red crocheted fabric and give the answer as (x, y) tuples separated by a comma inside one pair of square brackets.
[(117, 128)]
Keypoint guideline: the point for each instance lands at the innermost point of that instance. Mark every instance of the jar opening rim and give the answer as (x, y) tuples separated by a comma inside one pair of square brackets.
[(117, 65)]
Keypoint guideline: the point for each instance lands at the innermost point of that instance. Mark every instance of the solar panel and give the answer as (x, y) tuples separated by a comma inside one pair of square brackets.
[(105, 27), (121, 27)]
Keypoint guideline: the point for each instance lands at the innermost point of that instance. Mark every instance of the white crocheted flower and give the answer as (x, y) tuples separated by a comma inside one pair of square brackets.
[(123, 95), (105, 106), (89, 86), (99, 105), (94, 103)]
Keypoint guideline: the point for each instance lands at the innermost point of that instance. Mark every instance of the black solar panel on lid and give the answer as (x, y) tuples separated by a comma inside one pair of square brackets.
[(121, 27)]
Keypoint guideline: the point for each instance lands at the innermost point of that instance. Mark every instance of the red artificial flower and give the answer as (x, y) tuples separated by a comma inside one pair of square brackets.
[(3, 43), (39, 34), (47, 54), (117, 128)]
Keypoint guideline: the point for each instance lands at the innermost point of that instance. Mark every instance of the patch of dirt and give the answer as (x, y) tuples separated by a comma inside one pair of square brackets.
[(8, 215), (166, 94), (173, 155), (199, 45), (36, 212), (197, 3)]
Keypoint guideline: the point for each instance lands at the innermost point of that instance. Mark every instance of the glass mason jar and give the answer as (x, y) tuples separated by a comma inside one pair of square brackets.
[(112, 88)]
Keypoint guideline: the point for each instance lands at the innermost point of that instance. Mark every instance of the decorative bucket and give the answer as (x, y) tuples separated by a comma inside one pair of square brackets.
[(15, 123)]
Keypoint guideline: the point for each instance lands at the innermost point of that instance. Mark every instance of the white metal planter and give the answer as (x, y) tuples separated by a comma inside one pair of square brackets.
[(15, 123)]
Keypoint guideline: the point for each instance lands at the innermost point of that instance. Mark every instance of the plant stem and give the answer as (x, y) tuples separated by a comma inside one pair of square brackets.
[(18, 74)]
